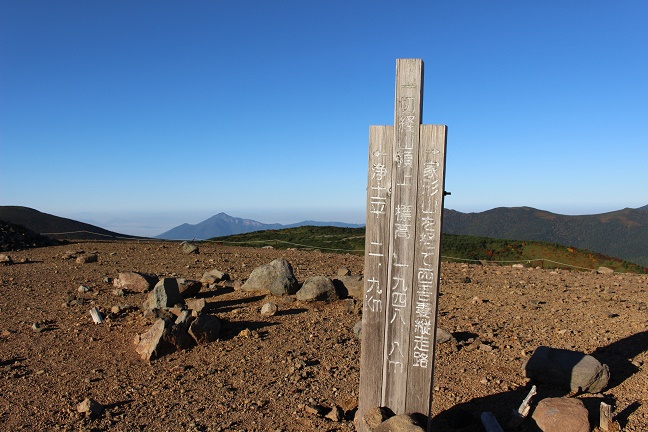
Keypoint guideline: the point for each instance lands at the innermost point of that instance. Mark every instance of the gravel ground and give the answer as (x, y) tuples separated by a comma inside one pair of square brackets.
[(285, 372)]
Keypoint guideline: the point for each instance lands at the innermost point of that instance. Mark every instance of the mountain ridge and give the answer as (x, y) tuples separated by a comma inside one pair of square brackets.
[(620, 233), (55, 226), (222, 224)]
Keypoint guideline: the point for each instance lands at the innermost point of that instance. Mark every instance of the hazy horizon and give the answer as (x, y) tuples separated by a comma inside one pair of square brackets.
[(152, 224), (111, 107)]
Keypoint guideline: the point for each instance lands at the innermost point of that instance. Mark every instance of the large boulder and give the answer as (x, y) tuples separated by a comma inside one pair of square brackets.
[(165, 294), (135, 281), (317, 288), (276, 277), (571, 370)]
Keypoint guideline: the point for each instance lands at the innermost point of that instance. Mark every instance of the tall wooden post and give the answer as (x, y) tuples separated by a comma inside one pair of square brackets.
[(402, 254)]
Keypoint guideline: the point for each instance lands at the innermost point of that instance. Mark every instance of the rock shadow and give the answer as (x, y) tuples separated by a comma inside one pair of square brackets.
[(213, 293), (465, 417), (618, 356), (229, 305), (291, 311)]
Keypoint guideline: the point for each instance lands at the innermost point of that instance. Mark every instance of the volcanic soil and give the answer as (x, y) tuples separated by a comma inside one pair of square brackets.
[(285, 372)]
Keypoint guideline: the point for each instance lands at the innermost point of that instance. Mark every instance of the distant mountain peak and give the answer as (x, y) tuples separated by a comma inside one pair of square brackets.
[(222, 224)]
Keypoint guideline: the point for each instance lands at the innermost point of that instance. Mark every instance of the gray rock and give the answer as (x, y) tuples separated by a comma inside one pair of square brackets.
[(205, 329), (276, 277), (183, 319), (214, 276), (399, 423), (350, 286), (317, 288), (83, 289), (443, 336), (604, 270), (189, 288), (165, 294), (135, 281), (189, 248), (357, 329), (561, 415), (571, 370), (269, 309)]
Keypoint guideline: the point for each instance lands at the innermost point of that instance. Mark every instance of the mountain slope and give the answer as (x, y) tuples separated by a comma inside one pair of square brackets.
[(223, 224), (622, 233), (55, 226), (217, 225)]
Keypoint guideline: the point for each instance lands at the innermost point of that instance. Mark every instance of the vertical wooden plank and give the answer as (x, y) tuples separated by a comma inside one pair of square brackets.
[(379, 186), (427, 265), (408, 101)]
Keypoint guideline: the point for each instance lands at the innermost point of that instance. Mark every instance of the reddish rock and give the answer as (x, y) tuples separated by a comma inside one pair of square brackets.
[(150, 345), (561, 415), (135, 281)]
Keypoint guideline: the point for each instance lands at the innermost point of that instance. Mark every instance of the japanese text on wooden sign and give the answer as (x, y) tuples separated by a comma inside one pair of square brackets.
[(402, 253)]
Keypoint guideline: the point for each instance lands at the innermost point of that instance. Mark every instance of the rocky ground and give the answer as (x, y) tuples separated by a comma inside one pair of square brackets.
[(286, 372)]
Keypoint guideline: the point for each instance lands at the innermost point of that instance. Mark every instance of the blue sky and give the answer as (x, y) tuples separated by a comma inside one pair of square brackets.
[(143, 115)]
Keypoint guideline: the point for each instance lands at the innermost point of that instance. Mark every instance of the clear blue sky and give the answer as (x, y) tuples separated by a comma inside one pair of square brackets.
[(153, 113)]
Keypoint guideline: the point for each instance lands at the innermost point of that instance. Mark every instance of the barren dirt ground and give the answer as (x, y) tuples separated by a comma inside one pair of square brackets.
[(305, 358)]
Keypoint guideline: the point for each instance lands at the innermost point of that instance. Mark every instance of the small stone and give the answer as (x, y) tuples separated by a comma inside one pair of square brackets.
[(196, 305), (189, 248), (86, 259), (5, 259), (269, 309), (90, 407), (335, 414), (357, 329), (375, 416), (312, 410), (399, 423), (443, 336), (83, 289), (343, 271)]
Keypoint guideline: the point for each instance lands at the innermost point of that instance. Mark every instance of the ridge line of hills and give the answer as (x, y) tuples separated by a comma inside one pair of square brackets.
[(622, 233)]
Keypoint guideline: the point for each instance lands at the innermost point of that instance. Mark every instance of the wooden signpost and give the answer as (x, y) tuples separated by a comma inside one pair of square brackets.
[(402, 254)]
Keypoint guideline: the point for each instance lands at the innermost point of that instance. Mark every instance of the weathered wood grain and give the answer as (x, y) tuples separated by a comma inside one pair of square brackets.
[(379, 186), (405, 191), (409, 87), (427, 265)]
